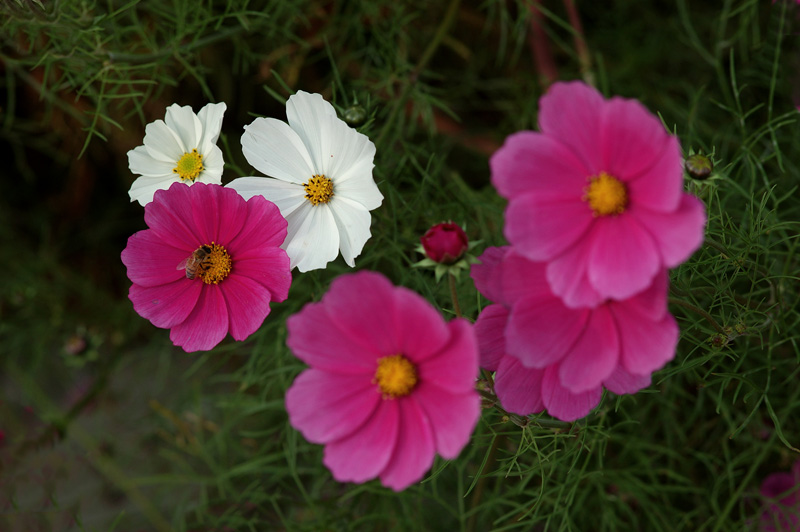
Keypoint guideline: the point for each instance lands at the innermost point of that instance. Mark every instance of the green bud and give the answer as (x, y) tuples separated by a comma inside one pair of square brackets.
[(699, 166), (355, 115)]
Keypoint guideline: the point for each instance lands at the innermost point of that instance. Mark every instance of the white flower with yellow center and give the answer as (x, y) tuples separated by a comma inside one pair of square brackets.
[(182, 147), (321, 180)]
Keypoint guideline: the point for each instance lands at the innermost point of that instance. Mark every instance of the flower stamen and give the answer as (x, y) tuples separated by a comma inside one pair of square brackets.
[(189, 166), (606, 195), (319, 189), (215, 266), (396, 376)]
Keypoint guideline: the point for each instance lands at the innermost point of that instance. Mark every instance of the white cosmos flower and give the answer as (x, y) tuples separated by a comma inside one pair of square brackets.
[(321, 180), (182, 147)]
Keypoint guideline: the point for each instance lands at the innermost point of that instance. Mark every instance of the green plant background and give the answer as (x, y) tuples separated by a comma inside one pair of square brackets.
[(107, 426)]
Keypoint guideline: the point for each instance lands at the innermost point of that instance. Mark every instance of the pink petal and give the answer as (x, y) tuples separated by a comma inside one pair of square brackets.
[(486, 276), (568, 276), (677, 234), (316, 340), (263, 227), (455, 367), (651, 302), (207, 324), (171, 216), (166, 305), (490, 333), (522, 278), (453, 416), (541, 228), (248, 305), (563, 404), (660, 186), (621, 382), (572, 112), (623, 259), (518, 388), (219, 213), (532, 162), (776, 485), (363, 454), (594, 356), (270, 268), (151, 262), (413, 454), (541, 332), (422, 331), (646, 345), (329, 406)]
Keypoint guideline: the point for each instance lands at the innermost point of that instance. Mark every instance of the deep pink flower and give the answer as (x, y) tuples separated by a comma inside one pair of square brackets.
[(598, 195), (209, 263), (390, 382), (445, 243), (549, 356), (781, 492)]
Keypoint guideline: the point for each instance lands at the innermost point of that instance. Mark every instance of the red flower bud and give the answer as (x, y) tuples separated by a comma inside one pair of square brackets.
[(445, 243)]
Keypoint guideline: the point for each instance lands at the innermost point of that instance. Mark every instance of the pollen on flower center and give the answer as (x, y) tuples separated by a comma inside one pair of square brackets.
[(396, 376), (189, 166), (606, 195), (215, 266), (319, 189)]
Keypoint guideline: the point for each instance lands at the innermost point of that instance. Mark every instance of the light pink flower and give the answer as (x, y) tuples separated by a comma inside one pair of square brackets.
[(209, 263), (598, 195), (549, 356), (390, 382), (781, 492)]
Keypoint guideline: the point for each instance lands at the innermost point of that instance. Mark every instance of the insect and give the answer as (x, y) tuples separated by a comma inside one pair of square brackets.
[(195, 261)]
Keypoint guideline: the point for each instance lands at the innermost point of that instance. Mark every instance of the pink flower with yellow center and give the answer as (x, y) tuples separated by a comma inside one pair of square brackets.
[(549, 356), (597, 195), (210, 263), (390, 384)]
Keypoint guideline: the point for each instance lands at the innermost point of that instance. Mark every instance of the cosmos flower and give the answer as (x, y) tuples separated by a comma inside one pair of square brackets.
[(781, 507), (597, 195), (209, 264), (445, 243), (549, 356), (180, 148), (390, 382), (321, 180)]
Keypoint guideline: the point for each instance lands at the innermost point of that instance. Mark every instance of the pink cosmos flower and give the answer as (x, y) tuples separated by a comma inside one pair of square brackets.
[(782, 505), (390, 382), (598, 195), (549, 356), (209, 263), (445, 243)]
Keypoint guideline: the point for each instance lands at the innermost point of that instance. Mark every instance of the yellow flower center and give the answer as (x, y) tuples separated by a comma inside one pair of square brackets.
[(189, 166), (606, 195), (319, 189), (396, 376), (215, 265)]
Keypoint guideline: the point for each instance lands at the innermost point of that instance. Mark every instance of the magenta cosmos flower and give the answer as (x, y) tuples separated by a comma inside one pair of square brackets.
[(598, 195), (209, 263), (390, 382), (781, 492), (550, 356)]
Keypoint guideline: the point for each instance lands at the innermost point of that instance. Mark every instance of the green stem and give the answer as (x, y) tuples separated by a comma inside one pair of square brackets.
[(699, 311), (454, 294)]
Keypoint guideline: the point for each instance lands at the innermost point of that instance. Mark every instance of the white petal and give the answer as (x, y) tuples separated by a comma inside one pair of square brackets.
[(211, 118), (272, 147), (287, 196), (143, 189), (361, 189), (212, 166), (352, 153), (353, 222), (162, 143), (312, 118), (140, 162), (185, 123), (313, 238)]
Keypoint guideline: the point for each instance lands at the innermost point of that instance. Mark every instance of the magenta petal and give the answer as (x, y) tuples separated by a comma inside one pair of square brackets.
[(541, 228), (518, 388), (269, 268), (413, 454), (166, 305), (563, 404), (317, 341), (594, 356), (490, 332), (263, 228), (624, 258), (532, 162), (151, 262), (659, 188), (622, 382), (171, 215), (651, 302), (219, 212), (364, 453), (522, 278), (207, 325), (329, 406), (568, 277), (540, 332), (455, 367), (677, 234), (453, 416), (424, 332), (572, 113), (486, 273), (248, 305), (646, 345)]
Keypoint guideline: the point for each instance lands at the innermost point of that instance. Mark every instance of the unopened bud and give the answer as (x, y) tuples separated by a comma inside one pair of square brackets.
[(699, 166)]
